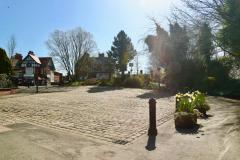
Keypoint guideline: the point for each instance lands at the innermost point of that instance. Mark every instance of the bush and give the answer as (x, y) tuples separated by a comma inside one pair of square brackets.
[(75, 83), (116, 81), (106, 82), (152, 85), (209, 83), (5, 82), (133, 82), (188, 74)]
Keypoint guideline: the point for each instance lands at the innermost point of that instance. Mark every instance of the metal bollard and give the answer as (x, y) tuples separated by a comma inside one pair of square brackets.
[(152, 131)]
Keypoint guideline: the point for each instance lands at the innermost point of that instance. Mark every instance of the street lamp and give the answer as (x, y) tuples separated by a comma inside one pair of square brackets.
[(159, 76), (35, 67), (131, 65)]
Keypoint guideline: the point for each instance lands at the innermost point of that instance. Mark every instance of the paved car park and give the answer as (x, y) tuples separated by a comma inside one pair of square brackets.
[(111, 114)]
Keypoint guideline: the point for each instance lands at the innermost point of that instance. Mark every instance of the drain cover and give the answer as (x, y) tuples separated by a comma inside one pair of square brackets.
[(122, 142)]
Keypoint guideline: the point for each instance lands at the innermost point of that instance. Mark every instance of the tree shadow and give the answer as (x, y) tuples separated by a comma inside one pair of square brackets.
[(151, 143), (193, 130), (96, 89), (231, 101), (156, 94)]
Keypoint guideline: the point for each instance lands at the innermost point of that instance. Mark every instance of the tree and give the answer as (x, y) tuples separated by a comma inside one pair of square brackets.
[(179, 42), (159, 47), (68, 47), (122, 51), (83, 66), (229, 35), (170, 52), (205, 43), (11, 46), (223, 17), (5, 64)]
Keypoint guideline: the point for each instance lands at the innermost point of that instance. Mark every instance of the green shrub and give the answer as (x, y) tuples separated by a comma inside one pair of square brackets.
[(75, 83), (152, 85), (209, 83), (5, 82), (106, 82), (116, 81), (134, 82)]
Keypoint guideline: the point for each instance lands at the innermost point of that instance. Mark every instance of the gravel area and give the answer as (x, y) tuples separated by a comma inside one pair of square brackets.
[(116, 115)]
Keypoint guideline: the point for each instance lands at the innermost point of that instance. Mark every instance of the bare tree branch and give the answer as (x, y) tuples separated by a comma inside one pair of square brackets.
[(68, 47), (11, 46)]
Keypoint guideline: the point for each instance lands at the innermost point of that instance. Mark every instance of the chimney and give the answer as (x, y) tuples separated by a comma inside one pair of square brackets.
[(18, 57), (31, 52), (101, 55)]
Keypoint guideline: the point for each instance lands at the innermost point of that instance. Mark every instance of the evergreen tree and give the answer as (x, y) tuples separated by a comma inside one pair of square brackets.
[(122, 51), (204, 43), (229, 35), (179, 42), (5, 64)]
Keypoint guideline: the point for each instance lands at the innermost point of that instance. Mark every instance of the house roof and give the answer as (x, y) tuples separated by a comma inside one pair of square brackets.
[(45, 61), (35, 58)]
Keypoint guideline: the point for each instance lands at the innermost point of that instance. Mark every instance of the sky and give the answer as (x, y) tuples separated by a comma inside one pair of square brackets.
[(32, 21)]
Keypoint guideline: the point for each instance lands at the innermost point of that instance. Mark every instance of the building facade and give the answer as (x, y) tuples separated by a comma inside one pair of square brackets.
[(101, 67), (32, 68)]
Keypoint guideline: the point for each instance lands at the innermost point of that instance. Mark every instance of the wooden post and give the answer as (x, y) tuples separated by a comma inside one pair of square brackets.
[(152, 131)]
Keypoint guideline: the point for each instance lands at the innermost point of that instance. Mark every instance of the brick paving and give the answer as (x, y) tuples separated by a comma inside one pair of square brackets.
[(118, 116)]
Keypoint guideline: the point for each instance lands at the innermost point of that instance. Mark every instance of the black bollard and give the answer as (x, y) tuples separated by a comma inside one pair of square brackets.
[(152, 131)]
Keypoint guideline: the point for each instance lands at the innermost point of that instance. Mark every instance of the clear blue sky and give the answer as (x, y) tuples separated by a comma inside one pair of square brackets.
[(32, 21)]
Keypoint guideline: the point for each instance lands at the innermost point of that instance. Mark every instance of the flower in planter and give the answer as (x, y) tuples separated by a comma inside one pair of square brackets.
[(200, 102), (186, 106)]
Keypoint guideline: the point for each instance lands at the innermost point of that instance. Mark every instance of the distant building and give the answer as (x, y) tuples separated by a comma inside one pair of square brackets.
[(16, 61), (100, 67), (47, 68), (32, 67)]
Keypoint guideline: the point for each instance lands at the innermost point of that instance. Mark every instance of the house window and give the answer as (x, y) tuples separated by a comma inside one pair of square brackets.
[(29, 65)]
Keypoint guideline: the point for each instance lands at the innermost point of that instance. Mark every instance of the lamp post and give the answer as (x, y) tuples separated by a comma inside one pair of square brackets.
[(35, 67), (159, 68), (131, 65)]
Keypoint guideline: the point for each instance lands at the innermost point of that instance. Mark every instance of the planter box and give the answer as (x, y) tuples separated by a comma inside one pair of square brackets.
[(185, 120)]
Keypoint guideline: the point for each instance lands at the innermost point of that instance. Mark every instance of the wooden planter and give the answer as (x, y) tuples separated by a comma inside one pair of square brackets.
[(184, 120)]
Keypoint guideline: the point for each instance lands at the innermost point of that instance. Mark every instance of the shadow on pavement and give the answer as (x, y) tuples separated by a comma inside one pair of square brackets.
[(155, 94), (194, 130), (151, 143), (97, 89)]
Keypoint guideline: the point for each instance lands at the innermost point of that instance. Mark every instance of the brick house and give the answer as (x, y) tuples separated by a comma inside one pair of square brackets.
[(101, 68), (32, 67)]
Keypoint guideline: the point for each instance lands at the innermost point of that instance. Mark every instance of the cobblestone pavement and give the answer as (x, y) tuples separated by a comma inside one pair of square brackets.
[(115, 115)]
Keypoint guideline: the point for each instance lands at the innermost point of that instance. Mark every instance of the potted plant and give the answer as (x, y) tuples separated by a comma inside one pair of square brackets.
[(184, 116)]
